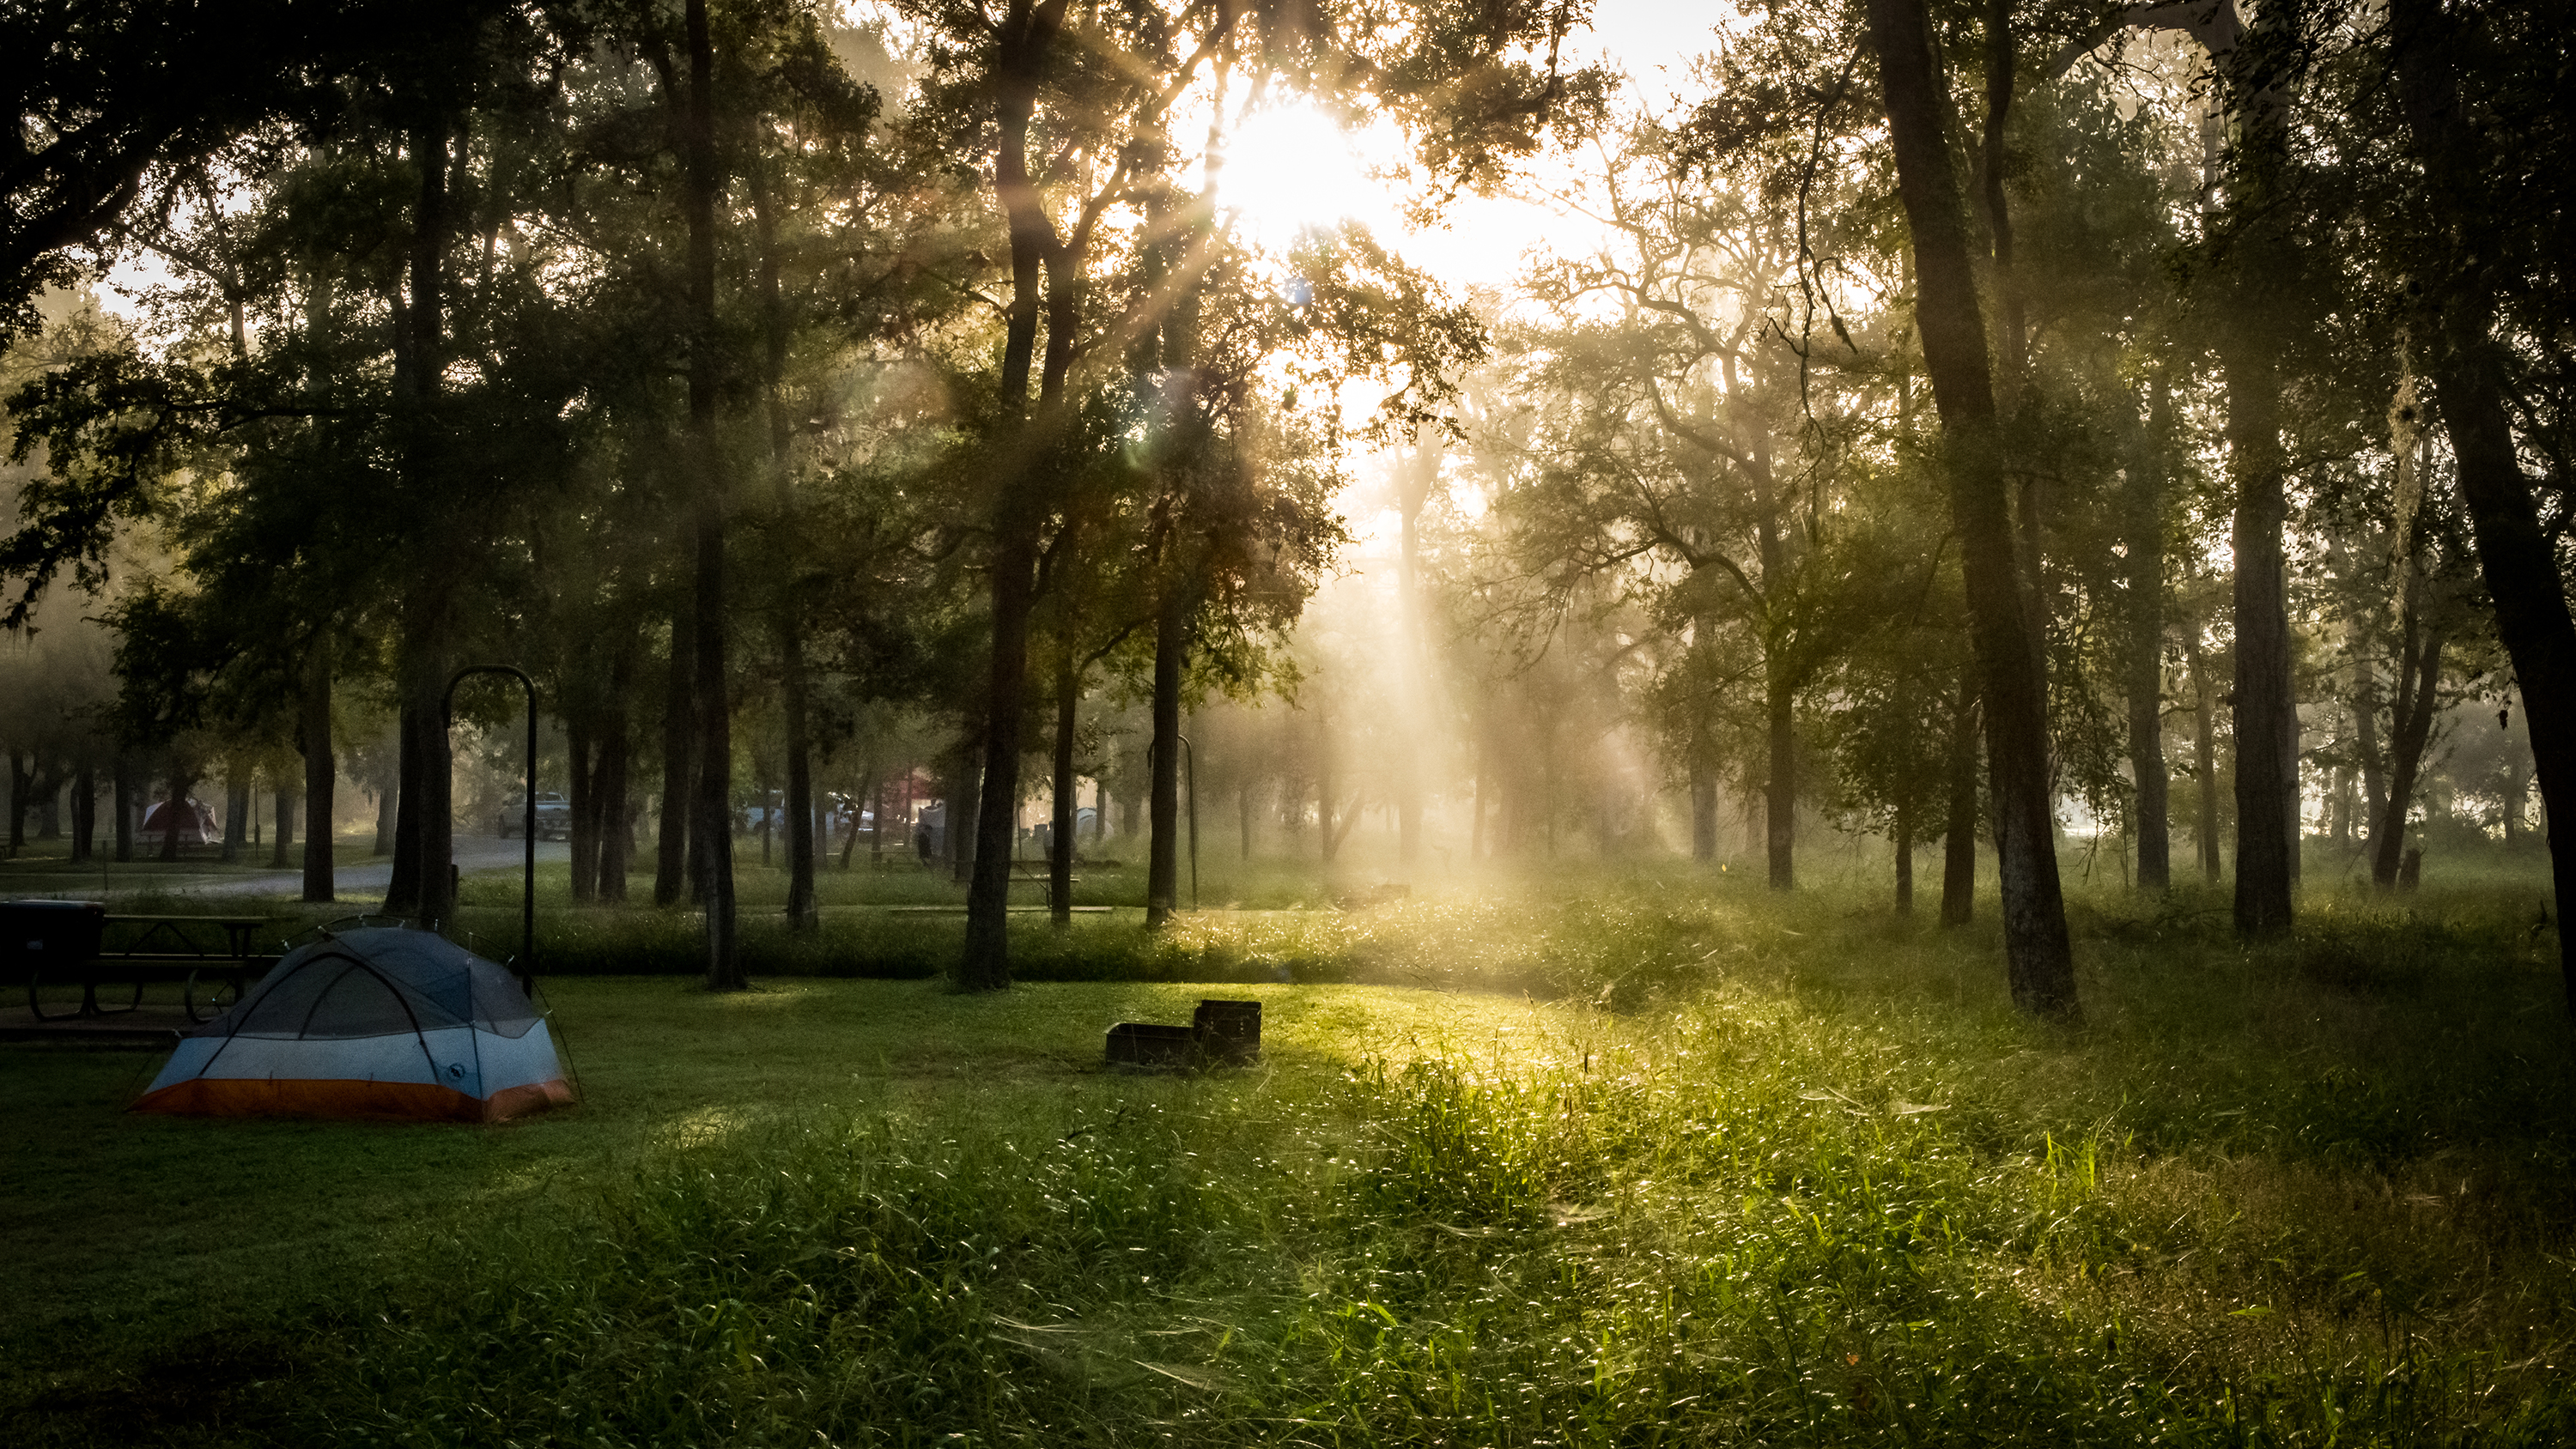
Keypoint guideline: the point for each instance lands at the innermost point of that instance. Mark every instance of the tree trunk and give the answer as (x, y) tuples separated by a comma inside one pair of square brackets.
[(22, 775), (236, 817), (1408, 804), (85, 813), (428, 821), (2146, 642), (1171, 655), (1703, 795), (1780, 777), (1780, 791), (1027, 38), (2419, 674), (2266, 714), (2204, 754), (386, 791), (712, 807), (804, 911), (2468, 369), (1991, 165), (1350, 816), (579, 752), (711, 811), (285, 818), (1959, 839), (2011, 329), (986, 862), (965, 811), (178, 786), (2365, 714), (1547, 792), (424, 831), (1476, 830), (609, 793), (2038, 951), (321, 762), (1066, 804), (1415, 472), (121, 788), (402, 886), (2266, 710), (679, 711), (1904, 861), (2517, 789), (609, 808), (1324, 785), (876, 833), (869, 802), (793, 685), (321, 773)]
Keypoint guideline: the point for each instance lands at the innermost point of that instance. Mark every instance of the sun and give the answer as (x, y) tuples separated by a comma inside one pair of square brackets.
[(1291, 168)]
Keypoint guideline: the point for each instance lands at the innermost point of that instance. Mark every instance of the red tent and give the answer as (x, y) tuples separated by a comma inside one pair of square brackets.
[(196, 823)]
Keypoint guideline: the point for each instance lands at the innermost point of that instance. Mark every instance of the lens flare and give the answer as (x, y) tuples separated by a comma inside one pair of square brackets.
[(1291, 168)]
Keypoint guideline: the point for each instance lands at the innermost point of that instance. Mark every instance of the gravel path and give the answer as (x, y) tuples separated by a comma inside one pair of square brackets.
[(369, 877)]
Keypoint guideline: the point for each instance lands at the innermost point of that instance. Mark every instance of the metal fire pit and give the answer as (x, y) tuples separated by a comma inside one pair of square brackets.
[(1229, 1031), (1151, 1044), (1222, 1034)]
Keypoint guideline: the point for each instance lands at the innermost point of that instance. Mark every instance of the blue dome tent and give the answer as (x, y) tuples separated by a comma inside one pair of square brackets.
[(380, 1021)]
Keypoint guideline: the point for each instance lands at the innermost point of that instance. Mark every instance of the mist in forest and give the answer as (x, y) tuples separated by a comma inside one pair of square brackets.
[(1291, 721), (1869, 444)]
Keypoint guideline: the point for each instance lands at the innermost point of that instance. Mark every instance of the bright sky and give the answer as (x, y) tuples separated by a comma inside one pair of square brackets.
[(1292, 166), (1653, 42)]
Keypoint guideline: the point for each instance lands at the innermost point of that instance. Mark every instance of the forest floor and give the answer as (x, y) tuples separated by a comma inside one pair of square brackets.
[(1604, 1157)]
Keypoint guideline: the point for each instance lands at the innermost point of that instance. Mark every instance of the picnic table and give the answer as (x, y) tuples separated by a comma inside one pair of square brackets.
[(217, 954)]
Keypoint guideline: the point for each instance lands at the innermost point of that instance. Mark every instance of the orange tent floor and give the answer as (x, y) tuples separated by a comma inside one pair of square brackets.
[(398, 1101)]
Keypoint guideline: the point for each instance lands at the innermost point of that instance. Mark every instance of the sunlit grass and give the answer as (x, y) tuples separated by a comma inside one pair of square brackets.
[(1676, 1162)]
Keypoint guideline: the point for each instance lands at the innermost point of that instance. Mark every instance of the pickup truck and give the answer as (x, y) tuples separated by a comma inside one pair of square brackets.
[(554, 817)]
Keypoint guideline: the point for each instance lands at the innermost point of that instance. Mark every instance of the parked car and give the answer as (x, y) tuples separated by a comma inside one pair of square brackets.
[(554, 818)]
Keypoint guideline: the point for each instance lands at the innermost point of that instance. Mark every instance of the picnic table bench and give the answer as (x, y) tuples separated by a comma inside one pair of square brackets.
[(216, 953)]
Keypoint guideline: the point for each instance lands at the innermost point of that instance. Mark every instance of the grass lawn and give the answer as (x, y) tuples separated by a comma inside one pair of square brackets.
[(1601, 1160)]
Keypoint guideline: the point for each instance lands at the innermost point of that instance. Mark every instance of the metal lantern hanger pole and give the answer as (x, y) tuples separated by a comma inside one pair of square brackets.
[(528, 803)]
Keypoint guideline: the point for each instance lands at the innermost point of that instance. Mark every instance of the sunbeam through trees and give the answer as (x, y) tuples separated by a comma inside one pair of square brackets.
[(1563, 497)]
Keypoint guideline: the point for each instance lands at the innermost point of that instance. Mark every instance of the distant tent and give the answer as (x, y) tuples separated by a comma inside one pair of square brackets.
[(376, 1022), (196, 823)]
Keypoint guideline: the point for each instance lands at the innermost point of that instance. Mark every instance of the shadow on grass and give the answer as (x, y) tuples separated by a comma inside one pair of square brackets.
[(1665, 1159)]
